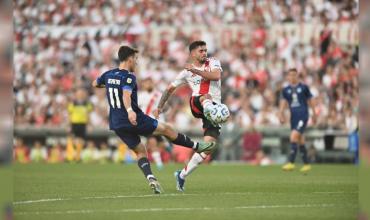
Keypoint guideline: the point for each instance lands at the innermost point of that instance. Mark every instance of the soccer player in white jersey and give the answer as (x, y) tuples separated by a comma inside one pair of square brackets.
[(148, 99), (203, 75)]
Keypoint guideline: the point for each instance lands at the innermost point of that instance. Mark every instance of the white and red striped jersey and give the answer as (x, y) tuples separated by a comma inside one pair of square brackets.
[(198, 84), (148, 101)]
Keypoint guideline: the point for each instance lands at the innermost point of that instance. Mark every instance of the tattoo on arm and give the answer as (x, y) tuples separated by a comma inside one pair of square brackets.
[(166, 94)]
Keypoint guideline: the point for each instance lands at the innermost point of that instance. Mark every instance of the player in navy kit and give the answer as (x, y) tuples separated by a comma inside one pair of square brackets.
[(128, 121), (299, 98)]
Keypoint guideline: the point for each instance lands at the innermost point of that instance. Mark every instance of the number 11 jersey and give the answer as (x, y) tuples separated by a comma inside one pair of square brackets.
[(116, 81)]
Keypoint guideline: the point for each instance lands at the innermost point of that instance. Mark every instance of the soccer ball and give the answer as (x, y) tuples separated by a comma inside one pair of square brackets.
[(219, 113)]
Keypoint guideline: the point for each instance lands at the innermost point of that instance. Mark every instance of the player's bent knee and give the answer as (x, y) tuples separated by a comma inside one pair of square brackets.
[(140, 151), (205, 96), (164, 129)]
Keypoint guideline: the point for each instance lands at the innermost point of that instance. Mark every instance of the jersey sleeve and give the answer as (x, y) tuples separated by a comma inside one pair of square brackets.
[(101, 79), (180, 79), (128, 83), (308, 92), (215, 64)]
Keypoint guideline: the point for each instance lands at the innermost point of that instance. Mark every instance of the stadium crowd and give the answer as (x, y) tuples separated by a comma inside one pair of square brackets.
[(50, 68)]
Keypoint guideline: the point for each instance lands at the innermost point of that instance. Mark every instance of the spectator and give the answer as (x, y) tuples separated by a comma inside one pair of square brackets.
[(38, 153)]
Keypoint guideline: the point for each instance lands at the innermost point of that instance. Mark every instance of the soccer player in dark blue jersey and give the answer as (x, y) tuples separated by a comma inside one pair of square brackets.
[(299, 98), (128, 121)]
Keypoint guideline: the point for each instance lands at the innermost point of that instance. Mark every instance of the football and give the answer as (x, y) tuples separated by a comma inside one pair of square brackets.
[(219, 114)]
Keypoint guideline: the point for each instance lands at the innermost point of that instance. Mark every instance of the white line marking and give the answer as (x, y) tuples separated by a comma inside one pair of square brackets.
[(46, 200), (341, 192), (89, 211)]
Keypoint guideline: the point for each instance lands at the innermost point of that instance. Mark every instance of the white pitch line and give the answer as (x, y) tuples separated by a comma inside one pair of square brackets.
[(341, 192), (46, 200), (90, 211), (152, 195), (99, 197)]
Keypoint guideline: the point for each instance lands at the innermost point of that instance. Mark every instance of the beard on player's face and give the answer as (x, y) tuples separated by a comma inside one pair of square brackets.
[(201, 58)]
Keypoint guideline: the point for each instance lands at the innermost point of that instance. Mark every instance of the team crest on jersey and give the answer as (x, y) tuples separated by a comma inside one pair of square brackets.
[(299, 90), (289, 91), (129, 80)]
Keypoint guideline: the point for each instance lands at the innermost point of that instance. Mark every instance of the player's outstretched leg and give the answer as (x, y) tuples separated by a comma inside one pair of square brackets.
[(144, 165), (181, 139)]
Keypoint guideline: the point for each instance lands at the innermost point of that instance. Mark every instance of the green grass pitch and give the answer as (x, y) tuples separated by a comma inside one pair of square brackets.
[(220, 191)]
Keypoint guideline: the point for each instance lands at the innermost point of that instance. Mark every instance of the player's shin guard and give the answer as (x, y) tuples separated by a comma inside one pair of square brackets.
[(303, 151), (293, 152), (144, 165), (185, 141), (194, 162)]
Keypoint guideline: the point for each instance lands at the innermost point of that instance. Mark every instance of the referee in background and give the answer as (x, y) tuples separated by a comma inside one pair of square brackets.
[(79, 111)]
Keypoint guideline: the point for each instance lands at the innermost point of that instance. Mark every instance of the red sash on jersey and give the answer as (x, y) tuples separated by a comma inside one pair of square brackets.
[(205, 83), (151, 103)]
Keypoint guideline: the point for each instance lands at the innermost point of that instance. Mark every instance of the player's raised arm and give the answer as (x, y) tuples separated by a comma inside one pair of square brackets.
[(179, 81), (214, 74), (165, 95)]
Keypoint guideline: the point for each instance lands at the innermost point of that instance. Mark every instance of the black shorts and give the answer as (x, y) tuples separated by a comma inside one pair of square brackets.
[(197, 111), (79, 130)]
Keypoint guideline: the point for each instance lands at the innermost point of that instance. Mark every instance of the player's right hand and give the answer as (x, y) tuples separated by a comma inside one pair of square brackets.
[(132, 117), (156, 113)]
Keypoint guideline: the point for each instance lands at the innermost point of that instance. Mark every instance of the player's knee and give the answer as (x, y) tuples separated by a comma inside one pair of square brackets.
[(140, 150), (204, 97), (295, 136), (168, 128), (164, 129)]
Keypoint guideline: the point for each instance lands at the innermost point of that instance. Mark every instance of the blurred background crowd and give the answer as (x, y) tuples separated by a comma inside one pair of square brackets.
[(54, 66)]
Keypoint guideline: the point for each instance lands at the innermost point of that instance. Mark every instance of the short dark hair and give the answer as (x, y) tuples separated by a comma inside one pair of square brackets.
[(196, 44), (125, 52), (292, 70)]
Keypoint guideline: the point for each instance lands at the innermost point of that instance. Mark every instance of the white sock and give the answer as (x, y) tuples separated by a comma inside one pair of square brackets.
[(157, 158), (195, 160)]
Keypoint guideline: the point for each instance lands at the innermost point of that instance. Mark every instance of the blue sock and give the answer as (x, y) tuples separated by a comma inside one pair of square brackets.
[(303, 151), (293, 152)]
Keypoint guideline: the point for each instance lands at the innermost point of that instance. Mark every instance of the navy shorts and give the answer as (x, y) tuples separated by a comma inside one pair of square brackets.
[(298, 123), (130, 134)]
